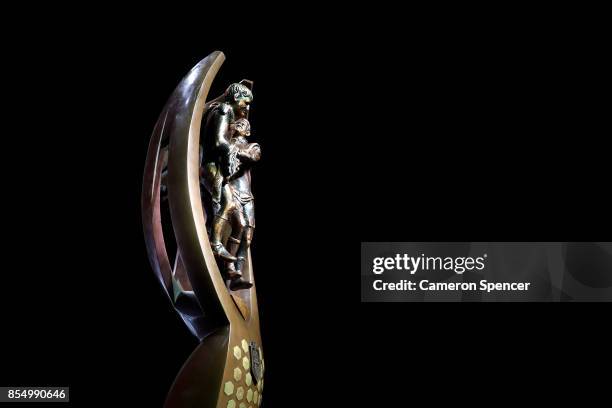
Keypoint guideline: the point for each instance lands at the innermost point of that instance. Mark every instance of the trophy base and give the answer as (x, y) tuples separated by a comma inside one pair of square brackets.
[(225, 370)]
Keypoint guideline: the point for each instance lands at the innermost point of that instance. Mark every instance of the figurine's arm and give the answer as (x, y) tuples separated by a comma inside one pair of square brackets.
[(218, 127), (247, 155), (251, 153)]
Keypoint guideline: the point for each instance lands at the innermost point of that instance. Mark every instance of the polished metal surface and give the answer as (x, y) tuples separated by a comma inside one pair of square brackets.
[(198, 164)]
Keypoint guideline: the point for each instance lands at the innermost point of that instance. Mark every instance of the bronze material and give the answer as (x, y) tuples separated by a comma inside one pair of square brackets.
[(221, 313)]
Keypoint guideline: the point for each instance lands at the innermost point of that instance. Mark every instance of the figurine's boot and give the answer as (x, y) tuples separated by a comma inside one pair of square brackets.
[(243, 248), (220, 251), (240, 283), (239, 264), (237, 282), (217, 246), (232, 247)]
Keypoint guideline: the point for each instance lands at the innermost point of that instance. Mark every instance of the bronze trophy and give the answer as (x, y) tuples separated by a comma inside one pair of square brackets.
[(198, 164)]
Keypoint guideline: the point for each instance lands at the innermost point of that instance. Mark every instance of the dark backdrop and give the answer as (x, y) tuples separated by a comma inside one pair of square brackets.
[(82, 305), (411, 134)]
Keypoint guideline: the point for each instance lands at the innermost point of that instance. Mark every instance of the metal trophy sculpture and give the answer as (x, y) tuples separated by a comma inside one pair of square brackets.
[(198, 164)]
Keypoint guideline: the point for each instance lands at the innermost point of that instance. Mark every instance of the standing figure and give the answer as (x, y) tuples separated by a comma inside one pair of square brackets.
[(233, 105)]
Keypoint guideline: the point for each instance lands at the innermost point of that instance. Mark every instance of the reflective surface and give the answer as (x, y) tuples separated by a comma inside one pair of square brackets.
[(201, 178)]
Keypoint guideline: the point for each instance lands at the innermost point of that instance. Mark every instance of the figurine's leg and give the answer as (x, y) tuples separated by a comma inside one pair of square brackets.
[(246, 217), (240, 282), (245, 242), (233, 242), (219, 230), (221, 224), (213, 184)]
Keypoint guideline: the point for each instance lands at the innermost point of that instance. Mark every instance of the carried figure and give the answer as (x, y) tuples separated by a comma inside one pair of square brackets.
[(242, 156)]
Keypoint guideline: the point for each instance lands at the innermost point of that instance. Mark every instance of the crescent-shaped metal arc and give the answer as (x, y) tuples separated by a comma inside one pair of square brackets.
[(173, 279), (175, 284), (188, 216), (151, 217)]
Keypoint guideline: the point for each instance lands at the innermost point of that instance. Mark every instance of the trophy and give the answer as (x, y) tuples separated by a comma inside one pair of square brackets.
[(197, 178)]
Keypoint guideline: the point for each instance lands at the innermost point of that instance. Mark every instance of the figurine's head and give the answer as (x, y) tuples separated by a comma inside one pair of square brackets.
[(242, 127), (240, 98)]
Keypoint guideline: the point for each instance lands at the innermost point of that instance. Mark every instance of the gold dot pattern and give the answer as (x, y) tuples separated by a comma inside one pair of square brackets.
[(239, 393), (243, 392), (228, 389)]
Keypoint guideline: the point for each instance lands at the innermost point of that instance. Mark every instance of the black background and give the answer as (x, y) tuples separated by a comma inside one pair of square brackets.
[(408, 134)]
